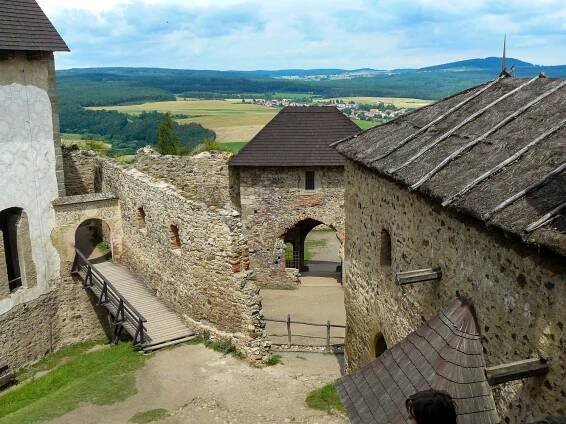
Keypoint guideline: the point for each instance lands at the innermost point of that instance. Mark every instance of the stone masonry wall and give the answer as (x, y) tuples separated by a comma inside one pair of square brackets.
[(206, 278), (519, 293), (273, 201), (80, 171), (63, 316), (202, 178)]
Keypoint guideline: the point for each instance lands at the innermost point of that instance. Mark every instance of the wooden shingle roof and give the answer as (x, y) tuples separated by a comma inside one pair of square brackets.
[(298, 136), (444, 354), (24, 26), (496, 152)]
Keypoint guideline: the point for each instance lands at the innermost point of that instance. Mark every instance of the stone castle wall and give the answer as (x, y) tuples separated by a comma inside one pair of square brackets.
[(80, 171), (63, 316), (273, 201), (205, 277), (201, 178), (518, 292)]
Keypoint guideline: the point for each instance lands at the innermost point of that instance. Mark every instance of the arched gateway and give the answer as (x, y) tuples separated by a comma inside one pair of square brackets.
[(287, 181)]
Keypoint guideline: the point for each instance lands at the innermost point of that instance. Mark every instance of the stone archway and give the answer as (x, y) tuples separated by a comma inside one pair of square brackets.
[(72, 212), (296, 237), (93, 237)]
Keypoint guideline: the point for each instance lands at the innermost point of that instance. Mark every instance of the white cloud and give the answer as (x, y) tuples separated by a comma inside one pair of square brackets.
[(252, 34)]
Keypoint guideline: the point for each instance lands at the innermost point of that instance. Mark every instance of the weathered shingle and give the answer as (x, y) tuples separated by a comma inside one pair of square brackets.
[(444, 354), (298, 136), (24, 26), (478, 149)]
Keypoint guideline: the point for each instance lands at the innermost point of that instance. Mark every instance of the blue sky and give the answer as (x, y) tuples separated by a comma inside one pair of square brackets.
[(276, 34)]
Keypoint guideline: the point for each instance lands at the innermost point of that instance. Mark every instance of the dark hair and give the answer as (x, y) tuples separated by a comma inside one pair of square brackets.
[(431, 407)]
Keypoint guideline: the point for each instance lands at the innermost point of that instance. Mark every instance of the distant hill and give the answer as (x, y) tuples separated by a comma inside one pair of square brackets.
[(493, 65), (112, 86)]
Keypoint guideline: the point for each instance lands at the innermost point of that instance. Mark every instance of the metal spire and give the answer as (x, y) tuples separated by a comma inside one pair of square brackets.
[(504, 59)]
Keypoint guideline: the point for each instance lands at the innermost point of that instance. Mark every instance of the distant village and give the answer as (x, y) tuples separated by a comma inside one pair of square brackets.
[(378, 112)]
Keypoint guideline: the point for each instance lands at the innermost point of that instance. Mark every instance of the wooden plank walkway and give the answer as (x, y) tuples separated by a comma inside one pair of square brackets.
[(164, 326)]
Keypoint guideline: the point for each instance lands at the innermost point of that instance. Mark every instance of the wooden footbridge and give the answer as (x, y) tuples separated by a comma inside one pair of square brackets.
[(131, 305)]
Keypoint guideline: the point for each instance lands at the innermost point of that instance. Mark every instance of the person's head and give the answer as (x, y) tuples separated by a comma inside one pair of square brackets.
[(431, 407)]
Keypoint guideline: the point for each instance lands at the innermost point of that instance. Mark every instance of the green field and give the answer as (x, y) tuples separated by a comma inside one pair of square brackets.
[(364, 125), (231, 120), (399, 102)]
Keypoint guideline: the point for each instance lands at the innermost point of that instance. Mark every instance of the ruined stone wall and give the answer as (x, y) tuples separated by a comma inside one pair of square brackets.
[(202, 178), (206, 278), (273, 201), (80, 171), (519, 293), (63, 316)]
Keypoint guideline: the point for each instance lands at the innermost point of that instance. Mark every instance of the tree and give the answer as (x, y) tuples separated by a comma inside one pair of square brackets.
[(167, 140)]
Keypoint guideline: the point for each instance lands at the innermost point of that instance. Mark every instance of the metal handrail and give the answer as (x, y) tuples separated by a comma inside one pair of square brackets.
[(116, 293)]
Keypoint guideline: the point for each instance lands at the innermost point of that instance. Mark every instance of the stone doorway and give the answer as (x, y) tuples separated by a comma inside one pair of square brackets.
[(94, 239)]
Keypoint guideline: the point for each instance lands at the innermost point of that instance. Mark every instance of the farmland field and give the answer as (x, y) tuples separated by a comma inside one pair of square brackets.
[(232, 121), (364, 125), (399, 102)]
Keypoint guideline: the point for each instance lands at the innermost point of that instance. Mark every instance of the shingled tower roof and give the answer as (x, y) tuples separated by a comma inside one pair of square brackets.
[(298, 136), (444, 354), (496, 152), (24, 26)]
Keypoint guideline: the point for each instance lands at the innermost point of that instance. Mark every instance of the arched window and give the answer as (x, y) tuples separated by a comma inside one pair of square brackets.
[(16, 264), (141, 218), (385, 251), (380, 345), (174, 237)]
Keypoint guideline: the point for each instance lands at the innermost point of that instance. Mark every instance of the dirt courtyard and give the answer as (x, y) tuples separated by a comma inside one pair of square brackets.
[(199, 385), (318, 299)]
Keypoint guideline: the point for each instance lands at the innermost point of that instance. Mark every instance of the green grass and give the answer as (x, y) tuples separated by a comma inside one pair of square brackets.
[(222, 346), (235, 146), (101, 377), (274, 360), (210, 146), (63, 355), (326, 399), (311, 246), (149, 416), (364, 125)]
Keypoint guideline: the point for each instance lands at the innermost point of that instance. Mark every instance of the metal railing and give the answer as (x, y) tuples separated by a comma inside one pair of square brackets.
[(328, 327), (122, 311)]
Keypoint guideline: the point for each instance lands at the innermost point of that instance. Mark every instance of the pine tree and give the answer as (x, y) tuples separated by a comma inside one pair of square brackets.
[(167, 141)]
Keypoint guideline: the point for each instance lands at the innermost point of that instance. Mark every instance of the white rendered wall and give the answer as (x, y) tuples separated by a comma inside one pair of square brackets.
[(27, 165)]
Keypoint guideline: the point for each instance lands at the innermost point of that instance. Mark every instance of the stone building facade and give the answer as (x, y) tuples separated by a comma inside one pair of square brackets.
[(41, 307), (287, 181), (277, 209), (513, 268)]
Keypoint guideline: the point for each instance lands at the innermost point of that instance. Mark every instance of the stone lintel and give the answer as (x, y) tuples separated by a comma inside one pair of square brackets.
[(83, 198)]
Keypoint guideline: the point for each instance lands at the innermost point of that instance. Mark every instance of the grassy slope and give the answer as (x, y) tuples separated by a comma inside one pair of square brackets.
[(101, 377), (232, 121)]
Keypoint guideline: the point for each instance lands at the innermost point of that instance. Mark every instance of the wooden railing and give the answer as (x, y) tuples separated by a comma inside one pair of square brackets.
[(124, 315), (328, 327)]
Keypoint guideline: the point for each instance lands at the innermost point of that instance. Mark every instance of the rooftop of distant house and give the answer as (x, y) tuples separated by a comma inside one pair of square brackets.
[(496, 152), (298, 136), (24, 27)]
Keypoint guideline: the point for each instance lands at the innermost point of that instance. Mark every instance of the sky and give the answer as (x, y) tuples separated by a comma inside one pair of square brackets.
[(283, 34)]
